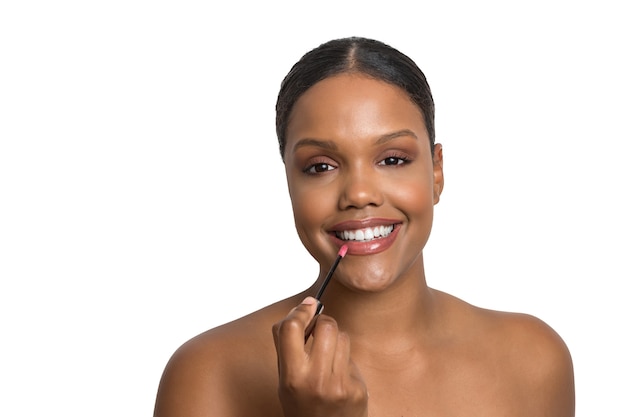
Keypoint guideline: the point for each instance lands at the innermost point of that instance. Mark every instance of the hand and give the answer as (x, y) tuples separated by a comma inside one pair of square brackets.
[(317, 378)]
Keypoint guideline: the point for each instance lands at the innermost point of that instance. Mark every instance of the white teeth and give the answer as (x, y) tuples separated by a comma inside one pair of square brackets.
[(362, 235)]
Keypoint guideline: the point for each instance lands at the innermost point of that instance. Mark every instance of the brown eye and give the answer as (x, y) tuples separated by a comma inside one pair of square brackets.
[(393, 160), (318, 168)]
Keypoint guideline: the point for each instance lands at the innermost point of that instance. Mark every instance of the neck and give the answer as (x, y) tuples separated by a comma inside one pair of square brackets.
[(404, 311)]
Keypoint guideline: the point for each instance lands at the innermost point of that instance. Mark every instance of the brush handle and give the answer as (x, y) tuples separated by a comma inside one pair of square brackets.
[(320, 306), (327, 279)]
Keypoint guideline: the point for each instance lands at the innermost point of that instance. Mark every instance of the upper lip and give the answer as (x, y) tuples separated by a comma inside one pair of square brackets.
[(362, 224)]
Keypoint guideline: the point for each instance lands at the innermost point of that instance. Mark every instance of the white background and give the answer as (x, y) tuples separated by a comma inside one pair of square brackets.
[(142, 197)]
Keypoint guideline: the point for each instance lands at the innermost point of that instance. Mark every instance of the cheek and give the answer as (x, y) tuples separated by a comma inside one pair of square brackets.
[(310, 212), (413, 196), (303, 212), (309, 206), (307, 209)]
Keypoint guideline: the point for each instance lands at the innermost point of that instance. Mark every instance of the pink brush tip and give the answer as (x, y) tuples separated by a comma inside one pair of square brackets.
[(343, 250)]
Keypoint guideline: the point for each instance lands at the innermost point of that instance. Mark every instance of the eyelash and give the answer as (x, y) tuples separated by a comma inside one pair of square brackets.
[(400, 159), (326, 167), (309, 170)]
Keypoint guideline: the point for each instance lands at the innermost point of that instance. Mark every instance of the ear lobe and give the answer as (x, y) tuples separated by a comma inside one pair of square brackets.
[(437, 172)]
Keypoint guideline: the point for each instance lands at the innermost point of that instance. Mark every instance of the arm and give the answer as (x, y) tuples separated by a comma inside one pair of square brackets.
[(547, 369), (187, 390), (558, 394)]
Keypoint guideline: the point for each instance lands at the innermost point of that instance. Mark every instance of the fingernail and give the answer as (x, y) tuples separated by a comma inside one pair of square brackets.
[(310, 301)]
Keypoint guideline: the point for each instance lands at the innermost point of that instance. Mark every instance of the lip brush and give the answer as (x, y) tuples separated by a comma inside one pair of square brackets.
[(320, 307)]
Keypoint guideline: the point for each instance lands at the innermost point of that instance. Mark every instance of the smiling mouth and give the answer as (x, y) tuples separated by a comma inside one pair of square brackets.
[(366, 234)]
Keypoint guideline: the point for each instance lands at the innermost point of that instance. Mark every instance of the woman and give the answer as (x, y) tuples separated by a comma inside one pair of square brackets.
[(355, 124)]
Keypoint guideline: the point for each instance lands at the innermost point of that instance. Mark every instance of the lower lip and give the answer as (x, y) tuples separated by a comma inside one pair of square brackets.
[(369, 247)]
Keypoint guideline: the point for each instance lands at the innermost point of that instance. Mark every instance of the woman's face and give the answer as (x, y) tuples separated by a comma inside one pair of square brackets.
[(360, 171)]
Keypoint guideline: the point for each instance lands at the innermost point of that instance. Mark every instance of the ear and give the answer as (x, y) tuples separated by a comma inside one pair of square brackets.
[(437, 172)]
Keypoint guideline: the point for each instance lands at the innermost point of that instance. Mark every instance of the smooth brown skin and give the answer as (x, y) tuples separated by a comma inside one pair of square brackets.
[(387, 344)]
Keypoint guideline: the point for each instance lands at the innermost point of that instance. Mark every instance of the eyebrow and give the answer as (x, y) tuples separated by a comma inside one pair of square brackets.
[(325, 144), (390, 136)]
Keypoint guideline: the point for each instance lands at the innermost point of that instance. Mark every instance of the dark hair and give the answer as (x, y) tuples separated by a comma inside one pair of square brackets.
[(354, 55)]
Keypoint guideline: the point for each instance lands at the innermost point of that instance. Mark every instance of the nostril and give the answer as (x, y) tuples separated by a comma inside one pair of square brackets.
[(361, 193)]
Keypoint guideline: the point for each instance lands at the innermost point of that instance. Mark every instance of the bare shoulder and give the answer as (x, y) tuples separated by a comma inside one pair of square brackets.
[(540, 361), (525, 351), (224, 371)]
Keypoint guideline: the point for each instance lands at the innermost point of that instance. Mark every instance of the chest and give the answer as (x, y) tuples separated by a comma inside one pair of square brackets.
[(443, 389)]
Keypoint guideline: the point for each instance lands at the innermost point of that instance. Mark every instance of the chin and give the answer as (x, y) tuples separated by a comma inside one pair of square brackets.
[(370, 281)]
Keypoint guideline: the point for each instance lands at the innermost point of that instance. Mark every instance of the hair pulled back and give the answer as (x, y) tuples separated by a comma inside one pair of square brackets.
[(354, 55)]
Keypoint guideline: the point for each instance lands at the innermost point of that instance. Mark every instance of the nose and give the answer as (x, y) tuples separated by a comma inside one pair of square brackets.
[(360, 188)]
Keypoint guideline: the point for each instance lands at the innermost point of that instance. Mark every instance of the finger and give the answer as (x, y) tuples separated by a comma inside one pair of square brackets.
[(342, 362), (324, 346), (346, 370), (289, 333), (311, 325)]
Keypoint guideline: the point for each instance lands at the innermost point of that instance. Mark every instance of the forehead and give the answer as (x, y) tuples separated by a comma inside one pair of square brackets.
[(353, 105)]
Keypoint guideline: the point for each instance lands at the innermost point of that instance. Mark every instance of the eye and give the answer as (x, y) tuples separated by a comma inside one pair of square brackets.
[(394, 160), (318, 168)]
